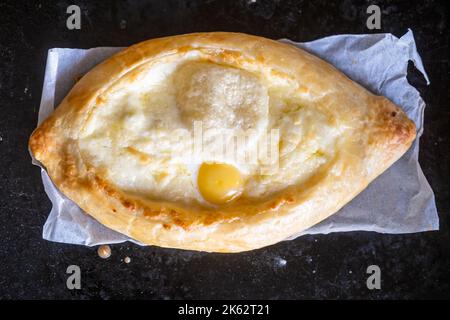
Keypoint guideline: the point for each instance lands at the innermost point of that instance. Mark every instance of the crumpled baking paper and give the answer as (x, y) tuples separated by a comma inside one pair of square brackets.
[(399, 201)]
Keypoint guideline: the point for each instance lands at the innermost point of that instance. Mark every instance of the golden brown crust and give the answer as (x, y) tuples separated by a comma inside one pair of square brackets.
[(382, 134)]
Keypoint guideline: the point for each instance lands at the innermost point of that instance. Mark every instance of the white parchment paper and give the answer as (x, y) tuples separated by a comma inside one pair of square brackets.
[(399, 201)]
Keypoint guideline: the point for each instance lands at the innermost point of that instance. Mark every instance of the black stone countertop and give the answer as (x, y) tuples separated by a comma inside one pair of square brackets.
[(323, 266)]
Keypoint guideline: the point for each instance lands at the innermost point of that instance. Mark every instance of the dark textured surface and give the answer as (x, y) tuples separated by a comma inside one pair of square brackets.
[(328, 266)]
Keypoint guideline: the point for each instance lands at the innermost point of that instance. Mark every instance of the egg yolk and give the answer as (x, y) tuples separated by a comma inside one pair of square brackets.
[(219, 183)]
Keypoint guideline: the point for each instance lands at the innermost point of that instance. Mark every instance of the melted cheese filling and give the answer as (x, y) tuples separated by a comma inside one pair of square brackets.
[(142, 135)]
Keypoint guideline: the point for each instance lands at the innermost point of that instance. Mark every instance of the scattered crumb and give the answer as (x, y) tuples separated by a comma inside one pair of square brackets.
[(314, 271), (127, 260), (104, 251), (280, 262), (123, 24), (350, 272)]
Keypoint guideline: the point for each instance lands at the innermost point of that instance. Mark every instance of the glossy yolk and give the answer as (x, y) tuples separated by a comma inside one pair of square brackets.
[(219, 183)]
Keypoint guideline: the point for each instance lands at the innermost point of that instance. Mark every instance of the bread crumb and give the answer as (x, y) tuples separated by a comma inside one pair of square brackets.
[(104, 251)]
